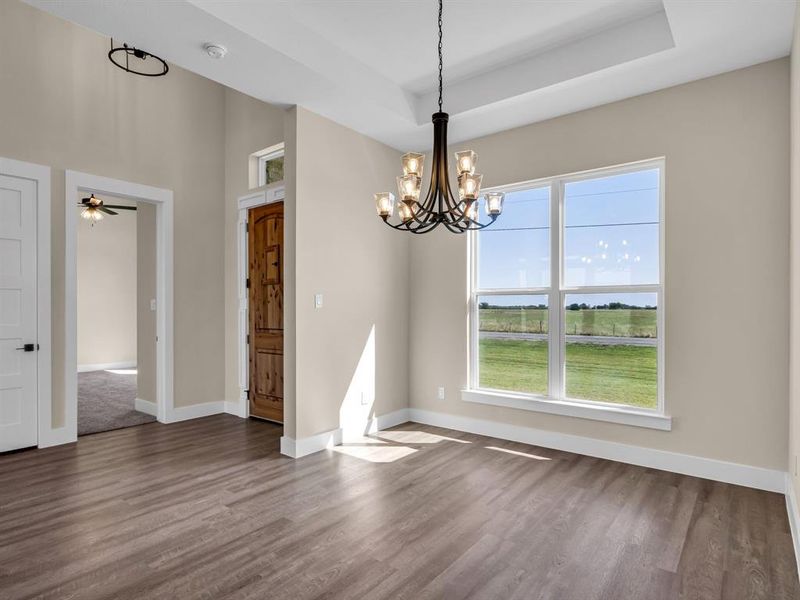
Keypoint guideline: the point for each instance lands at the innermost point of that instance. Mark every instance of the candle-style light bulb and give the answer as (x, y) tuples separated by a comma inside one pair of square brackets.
[(412, 163), (384, 204), (494, 203), (465, 162)]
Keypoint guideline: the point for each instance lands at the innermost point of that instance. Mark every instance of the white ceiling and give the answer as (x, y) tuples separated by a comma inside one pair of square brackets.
[(371, 64)]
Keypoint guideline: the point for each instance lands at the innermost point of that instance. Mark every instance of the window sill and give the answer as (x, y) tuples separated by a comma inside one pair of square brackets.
[(610, 414)]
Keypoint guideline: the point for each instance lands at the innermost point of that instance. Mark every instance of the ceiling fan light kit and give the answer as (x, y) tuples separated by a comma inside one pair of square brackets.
[(94, 209), (439, 206)]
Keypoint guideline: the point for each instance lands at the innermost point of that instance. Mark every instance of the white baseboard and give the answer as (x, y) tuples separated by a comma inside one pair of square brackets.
[(195, 411), (308, 445), (105, 366), (238, 408), (794, 518), (146, 407), (391, 419), (755, 477)]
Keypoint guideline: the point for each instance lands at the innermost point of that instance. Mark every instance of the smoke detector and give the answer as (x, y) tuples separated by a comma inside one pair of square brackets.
[(215, 51)]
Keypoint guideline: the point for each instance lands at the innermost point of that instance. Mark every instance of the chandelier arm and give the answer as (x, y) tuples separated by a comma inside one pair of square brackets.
[(421, 229)]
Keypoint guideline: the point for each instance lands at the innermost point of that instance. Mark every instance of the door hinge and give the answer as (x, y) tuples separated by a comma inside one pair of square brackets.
[(247, 283), (248, 338)]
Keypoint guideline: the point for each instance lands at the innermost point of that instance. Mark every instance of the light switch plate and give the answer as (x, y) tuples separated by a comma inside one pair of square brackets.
[(317, 300), (153, 304)]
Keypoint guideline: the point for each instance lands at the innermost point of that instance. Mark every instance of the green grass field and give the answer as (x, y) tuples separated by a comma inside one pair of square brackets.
[(619, 374), (623, 323)]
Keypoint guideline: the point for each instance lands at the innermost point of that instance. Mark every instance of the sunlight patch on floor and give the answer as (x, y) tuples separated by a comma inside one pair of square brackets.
[(416, 437), (517, 453), (375, 453), (122, 371)]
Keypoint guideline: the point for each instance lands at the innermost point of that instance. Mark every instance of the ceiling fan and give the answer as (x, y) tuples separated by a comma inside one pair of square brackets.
[(94, 209)]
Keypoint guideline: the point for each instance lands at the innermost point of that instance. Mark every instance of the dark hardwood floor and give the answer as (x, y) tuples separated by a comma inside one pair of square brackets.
[(210, 509)]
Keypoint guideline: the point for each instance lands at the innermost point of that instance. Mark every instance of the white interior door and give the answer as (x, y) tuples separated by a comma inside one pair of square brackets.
[(18, 340)]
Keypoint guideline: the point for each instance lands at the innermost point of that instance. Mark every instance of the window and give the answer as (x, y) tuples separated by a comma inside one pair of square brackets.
[(270, 167), (567, 291)]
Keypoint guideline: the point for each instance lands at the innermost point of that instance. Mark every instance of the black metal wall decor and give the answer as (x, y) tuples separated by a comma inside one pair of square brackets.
[(134, 60), (439, 206)]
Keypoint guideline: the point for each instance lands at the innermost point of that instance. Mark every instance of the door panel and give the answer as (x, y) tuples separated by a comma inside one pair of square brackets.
[(18, 370), (265, 302)]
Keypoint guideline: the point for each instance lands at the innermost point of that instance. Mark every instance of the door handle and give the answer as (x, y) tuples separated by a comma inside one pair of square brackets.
[(28, 347)]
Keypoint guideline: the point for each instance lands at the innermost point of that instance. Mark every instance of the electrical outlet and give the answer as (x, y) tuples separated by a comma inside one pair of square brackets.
[(363, 399), (441, 393), (153, 304)]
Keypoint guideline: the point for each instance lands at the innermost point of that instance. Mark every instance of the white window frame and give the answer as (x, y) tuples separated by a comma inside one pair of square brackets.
[(556, 401), (265, 156)]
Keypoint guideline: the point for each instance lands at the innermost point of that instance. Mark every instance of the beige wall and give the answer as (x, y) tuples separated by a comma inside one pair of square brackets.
[(146, 291), (794, 278), (357, 343), (726, 144), (65, 105), (106, 261), (250, 126)]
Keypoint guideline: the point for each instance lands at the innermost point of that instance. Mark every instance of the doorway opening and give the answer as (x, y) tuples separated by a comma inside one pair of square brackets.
[(116, 336), (118, 305), (261, 314)]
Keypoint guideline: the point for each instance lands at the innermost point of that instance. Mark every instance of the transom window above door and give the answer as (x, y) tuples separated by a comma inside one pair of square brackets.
[(567, 293)]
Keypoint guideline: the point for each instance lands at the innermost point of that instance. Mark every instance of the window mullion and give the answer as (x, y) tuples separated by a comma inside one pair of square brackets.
[(554, 297)]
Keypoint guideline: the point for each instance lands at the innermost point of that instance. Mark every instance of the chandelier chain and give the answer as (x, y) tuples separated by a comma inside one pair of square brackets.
[(440, 55)]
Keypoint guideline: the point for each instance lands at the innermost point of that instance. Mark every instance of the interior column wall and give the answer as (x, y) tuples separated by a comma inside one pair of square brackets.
[(352, 353), (250, 126)]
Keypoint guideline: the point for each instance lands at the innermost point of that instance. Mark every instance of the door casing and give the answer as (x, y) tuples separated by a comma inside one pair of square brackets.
[(162, 198), (269, 195)]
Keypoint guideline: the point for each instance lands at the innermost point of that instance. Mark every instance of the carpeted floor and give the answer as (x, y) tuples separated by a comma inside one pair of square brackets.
[(106, 401)]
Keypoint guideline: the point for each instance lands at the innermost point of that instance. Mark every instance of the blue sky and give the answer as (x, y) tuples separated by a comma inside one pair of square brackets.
[(611, 236)]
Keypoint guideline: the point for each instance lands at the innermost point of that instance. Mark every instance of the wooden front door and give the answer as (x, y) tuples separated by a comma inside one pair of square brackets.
[(265, 294)]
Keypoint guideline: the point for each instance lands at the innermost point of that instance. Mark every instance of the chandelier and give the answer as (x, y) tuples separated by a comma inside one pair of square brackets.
[(439, 206)]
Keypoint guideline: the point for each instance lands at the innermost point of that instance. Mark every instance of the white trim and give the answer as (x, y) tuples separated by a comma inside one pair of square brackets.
[(309, 445), (272, 193), (589, 410), (378, 422), (105, 366), (40, 174), (56, 437), (163, 199), (391, 419), (794, 518), (708, 468), (267, 154), (196, 411), (557, 401), (238, 409), (145, 406)]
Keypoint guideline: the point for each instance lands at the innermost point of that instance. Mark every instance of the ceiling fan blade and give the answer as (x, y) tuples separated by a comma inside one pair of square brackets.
[(105, 210), (119, 207)]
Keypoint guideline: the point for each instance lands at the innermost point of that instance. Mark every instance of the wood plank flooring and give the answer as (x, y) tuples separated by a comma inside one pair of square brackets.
[(210, 509)]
